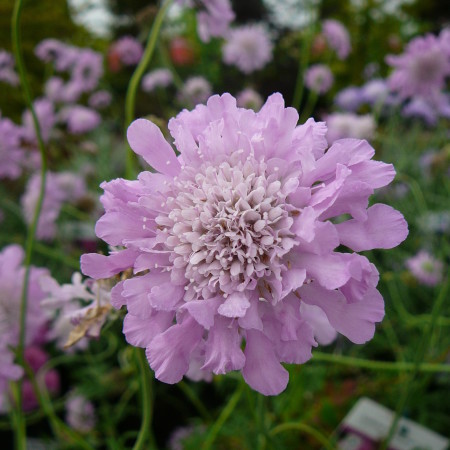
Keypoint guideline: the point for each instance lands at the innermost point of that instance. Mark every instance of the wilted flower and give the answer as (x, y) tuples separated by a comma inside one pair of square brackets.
[(128, 49), (421, 70), (337, 37), (195, 90), (80, 413), (213, 17), (319, 78), (80, 119), (59, 188), (100, 99), (7, 73), (11, 154), (82, 308), (248, 47), (426, 268), (349, 125), (156, 78), (232, 236), (250, 99)]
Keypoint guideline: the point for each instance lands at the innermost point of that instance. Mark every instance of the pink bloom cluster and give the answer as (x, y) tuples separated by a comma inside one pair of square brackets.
[(319, 78), (427, 269), (7, 72), (11, 153), (337, 37), (233, 241), (128, 49), (59, 188)]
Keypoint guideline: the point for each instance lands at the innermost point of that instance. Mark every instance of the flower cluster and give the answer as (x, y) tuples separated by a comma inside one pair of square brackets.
[(337, 37), (7, 72), (127, 50), (158, 78), (349, 125), (233, 241), (318, 78)]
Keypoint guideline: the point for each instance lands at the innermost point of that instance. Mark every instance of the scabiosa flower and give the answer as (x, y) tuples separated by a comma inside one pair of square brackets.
[(88, 69), (319, 78), (230, 237), (11, 153), (337, 37), (349, 99), (419, 108), (63, 56), (249, 48), (250, 99), (421, 70), (59, 188), (195, 90), (158, 78), (128, 49), (349, 125), (375, 92), (80, 413), (79, 119), (45, 113), (7, 73), (100, 99), (213, 17), (426, 268)]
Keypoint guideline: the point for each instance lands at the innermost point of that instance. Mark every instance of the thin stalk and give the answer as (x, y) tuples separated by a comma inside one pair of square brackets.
[(146, 398), (190, 394), (20, 430), (316, 434), (380, 365), (310, 105), (226, 412), (130, 100)]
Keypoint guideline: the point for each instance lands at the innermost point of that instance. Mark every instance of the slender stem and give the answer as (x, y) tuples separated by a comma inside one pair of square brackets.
[(130, 99), (289, 426), (313, 95), (16, 40), (226, 412), (190, 394), (380, 365), (146, 398)]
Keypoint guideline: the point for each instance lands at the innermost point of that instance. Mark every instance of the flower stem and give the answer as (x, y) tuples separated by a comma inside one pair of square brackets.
[(289, 426), (226, 412), (380, 365), (130, 99), (190, 394), (146, 397), (20, 430)]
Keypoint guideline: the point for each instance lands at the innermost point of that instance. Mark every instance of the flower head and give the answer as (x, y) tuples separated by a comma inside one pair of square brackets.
[(427, 269), (421, 70), (11, 153), (100, 99), (349, 125), (248, 47), (80, 119), (337, 37), (250, 99), (128, 49), (195, 90), (7, 73), (231, 237), (349, 99), (156, 78), (80, 413), (319, 78)]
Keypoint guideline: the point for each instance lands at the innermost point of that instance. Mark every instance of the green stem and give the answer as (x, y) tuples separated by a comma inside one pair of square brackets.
[(310, 105), (146, 397), (130, 99), (190, 394), (16, 41), (226, 412), (305, 429), (380, 365)]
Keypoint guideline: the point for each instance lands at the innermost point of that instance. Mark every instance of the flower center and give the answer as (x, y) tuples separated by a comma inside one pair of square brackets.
[(227, 227)]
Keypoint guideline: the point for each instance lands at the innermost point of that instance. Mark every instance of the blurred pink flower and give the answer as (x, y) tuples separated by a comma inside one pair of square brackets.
[(427, 269), (7, 72), (349, 125), (128, 49), (80, 413), (337, 37), (158, 78), (319, 78)]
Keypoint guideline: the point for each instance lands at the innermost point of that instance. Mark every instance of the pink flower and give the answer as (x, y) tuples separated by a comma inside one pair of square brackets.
[(231, 237), (80, 119), (195, 90), (80, 413), (11, 153), (250, 99), (337, 37), (427, 269), (248, 47), (128, 49), (319, 78), (349, 125), (422, 69), (7, 73), (157, 78)]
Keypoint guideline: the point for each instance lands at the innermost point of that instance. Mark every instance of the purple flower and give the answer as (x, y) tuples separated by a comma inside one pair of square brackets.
[(11, 154), (229, 238), (213, 18), (128, 49), (250, 99), (248, 47), (195, 90), (375, 92), (80, 119), (349, 125), (7, 73), (420, 108), (421, 70), (87, 70), (59, 188), (319, 78), (100, 99), (425, 268), (158, 78), (62, 55), (45, 113), (8, 372), (349, 99), (337, 37), (80, 413)]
